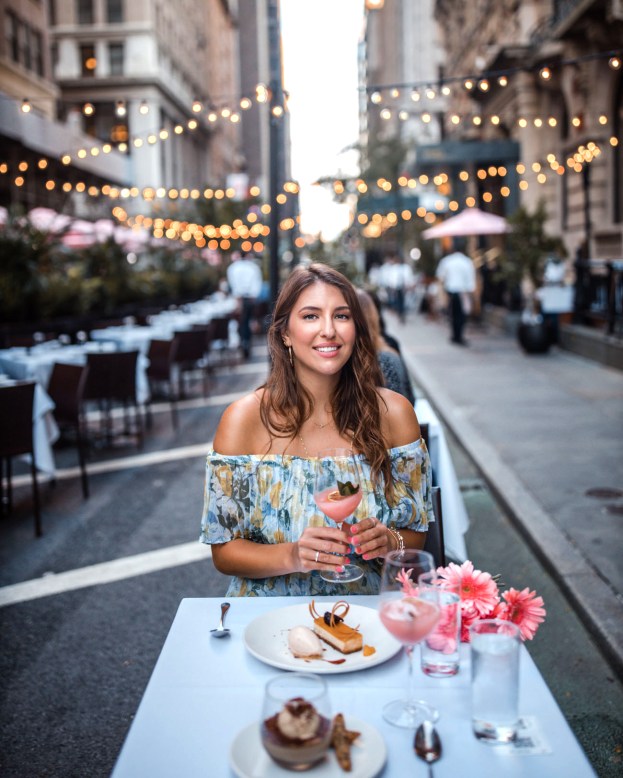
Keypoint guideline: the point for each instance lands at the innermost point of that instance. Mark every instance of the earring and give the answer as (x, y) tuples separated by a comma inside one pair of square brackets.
[(291, 356)]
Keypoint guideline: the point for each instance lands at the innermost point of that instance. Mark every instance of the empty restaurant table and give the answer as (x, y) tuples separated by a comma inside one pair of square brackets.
[(201, 709)]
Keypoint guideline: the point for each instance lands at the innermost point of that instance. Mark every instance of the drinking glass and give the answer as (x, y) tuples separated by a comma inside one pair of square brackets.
[(337, 492), (296, 720), (440, 649), (409, 618), (494, 645)]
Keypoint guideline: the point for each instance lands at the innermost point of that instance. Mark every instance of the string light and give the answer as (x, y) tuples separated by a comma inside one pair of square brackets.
[(143, 108), (26, 106)]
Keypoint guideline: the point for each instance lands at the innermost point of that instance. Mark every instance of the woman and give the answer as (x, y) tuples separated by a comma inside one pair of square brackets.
[(395, 373), (259, 513)]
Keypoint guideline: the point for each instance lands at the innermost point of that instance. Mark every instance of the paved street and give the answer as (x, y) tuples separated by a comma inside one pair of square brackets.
[(84, 610)]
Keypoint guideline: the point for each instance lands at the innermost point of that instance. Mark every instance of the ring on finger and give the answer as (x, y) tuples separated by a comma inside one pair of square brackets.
[(317, 555)]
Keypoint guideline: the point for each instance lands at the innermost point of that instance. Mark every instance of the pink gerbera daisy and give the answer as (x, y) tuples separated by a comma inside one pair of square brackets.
[(478, 590), (407, 583), (443, 637), (523, 608)]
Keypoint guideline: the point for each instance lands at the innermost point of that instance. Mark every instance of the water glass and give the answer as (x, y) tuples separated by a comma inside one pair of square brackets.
[(439, 651), (495, 680)]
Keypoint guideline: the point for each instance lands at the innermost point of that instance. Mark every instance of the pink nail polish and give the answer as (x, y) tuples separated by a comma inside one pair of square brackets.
[(353, 529), (340, 569)]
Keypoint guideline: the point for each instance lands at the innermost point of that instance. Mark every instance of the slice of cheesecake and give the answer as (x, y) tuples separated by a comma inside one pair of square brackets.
[(333, 630)]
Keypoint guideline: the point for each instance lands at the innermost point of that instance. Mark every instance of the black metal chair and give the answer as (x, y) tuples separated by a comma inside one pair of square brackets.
[(161, 371), (16, 439), (190, 356), (112, 382), (434, 537), (66, 388)]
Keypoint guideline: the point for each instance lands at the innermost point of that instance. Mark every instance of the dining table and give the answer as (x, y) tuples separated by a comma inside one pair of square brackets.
[(455, 518), (200, 712), (37, 362)]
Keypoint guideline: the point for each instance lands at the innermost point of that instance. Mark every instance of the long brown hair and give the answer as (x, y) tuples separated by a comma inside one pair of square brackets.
[(286, 405)]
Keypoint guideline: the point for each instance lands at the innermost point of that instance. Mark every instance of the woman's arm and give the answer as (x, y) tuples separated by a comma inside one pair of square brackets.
[(401, 427)]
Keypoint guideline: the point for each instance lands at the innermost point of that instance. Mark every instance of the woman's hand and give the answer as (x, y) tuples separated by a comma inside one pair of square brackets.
[(316, 547), (370, 537)]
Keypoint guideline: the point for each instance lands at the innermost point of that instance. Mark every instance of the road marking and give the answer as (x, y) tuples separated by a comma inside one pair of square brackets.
[(104, 572)]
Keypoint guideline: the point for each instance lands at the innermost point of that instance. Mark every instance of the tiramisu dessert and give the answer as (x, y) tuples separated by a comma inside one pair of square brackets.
[(297, 736), (332, 628), (304, 643)]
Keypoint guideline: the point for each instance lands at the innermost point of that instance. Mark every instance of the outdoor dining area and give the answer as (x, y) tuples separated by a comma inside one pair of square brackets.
[(97, 393)]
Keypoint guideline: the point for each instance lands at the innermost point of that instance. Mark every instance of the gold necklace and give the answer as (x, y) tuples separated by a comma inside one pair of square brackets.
[(307, 454)]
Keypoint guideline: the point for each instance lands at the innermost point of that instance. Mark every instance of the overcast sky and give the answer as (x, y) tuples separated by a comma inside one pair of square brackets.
[(320, 40)]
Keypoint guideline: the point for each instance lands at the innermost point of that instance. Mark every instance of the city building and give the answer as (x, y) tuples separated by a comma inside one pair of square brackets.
[(545, 75)]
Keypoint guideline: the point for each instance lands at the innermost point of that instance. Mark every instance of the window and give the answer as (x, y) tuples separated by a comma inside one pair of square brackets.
[(115, 59), (84, 11), (114, 11), (26, 47), (12, 35), (87, 58), (37, 53)]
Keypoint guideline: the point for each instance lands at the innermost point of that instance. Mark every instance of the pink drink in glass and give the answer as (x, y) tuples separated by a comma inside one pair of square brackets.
[(410, 619), (337, 509)]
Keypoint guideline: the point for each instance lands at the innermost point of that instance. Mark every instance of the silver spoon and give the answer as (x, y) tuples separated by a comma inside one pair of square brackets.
[(427, 744), (221, 631)]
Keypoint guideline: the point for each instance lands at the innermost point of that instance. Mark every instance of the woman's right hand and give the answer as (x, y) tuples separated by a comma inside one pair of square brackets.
[(321, 548)]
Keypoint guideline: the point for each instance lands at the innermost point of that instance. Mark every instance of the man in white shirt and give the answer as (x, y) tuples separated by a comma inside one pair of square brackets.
[(457, 274), (245, 282)]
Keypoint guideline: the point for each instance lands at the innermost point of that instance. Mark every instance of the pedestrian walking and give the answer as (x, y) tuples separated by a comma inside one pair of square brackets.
[(456, 273), (245, 283)]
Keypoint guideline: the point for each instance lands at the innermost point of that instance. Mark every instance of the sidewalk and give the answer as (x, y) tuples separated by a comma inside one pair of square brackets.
[(544, 430)]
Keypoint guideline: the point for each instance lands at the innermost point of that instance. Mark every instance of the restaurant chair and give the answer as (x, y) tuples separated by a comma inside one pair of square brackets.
[(111, 384), (434, 543), (66, 388), (162, 371), (424, 435), (190, 357), (220, 343), (16, 439)]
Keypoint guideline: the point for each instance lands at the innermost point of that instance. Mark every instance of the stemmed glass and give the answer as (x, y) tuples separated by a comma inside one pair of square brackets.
[(409, 619), (337, 492)]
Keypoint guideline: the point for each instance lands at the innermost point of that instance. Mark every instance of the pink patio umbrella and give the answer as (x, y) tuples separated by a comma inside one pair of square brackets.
[(48, 220), (80, 235), (471, 221)]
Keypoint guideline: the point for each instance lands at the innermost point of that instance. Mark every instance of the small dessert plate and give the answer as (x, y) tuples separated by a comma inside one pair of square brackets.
[(248, 759), (266, 638)]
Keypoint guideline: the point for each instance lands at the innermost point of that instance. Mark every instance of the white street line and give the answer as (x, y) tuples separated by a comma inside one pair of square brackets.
[(105, 572)]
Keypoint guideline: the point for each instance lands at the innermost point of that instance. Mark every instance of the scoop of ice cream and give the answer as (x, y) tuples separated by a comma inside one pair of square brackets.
[(302, 642), (298, 720)]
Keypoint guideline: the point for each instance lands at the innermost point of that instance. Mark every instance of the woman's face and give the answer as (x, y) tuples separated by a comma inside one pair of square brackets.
[(321, 330)]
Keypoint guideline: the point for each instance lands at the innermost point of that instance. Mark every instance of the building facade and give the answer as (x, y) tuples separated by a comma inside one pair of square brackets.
[(545, 74)]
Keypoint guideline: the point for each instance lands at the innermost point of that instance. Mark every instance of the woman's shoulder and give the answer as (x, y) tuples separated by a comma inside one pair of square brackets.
[(400, 422), (240, 430)]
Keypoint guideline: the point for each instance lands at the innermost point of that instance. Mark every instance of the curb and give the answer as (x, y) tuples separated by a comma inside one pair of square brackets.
[(595, 602)]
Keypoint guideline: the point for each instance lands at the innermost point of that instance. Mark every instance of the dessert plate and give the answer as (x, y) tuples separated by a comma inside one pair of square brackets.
[(266, 638), (248, 759)]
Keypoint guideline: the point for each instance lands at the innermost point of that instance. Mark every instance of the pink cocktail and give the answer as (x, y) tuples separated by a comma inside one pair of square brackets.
[(336, 506), (410, 619)]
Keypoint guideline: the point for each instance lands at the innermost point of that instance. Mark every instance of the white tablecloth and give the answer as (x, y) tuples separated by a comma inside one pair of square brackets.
[(455, 518), (204, 691), (37, 363)]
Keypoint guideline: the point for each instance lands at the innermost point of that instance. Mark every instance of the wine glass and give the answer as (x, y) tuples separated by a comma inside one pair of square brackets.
[(409, 619), (337, 492)]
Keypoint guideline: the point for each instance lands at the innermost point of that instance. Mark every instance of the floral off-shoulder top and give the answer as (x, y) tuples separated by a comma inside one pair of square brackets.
[(270, 499)]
